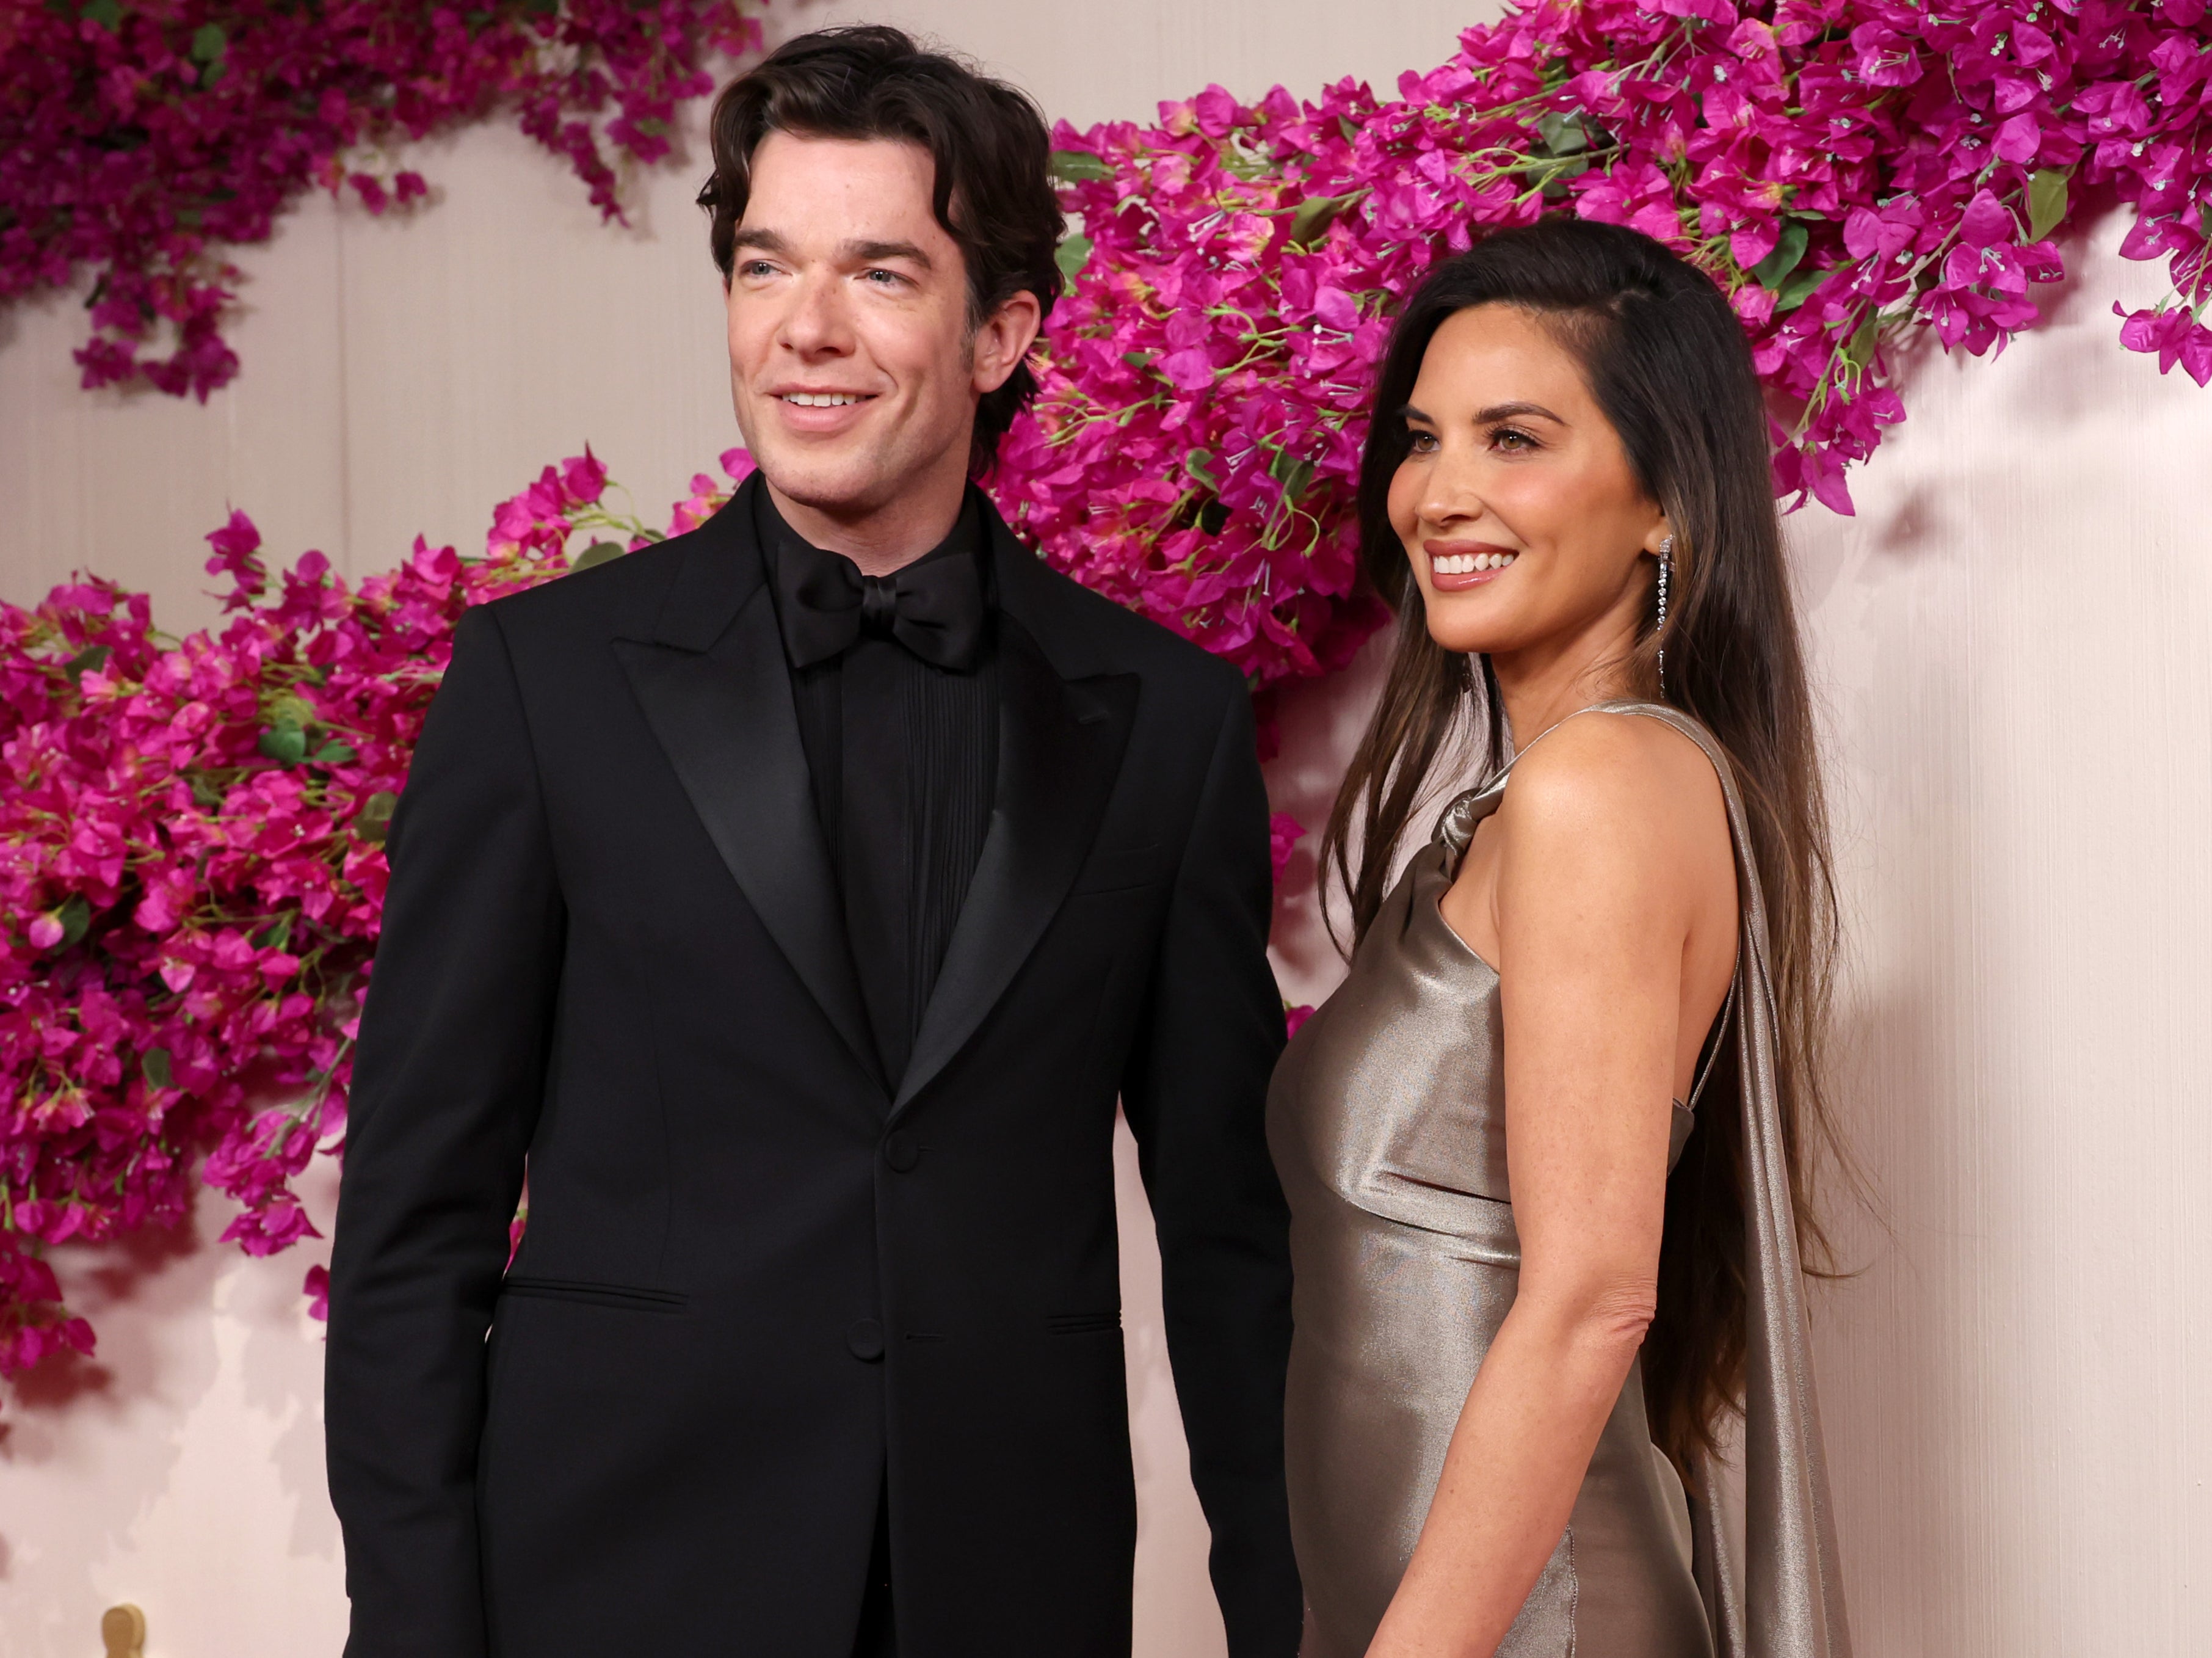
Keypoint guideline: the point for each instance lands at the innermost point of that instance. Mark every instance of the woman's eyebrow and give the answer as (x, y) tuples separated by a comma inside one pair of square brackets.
[(1497, 411)]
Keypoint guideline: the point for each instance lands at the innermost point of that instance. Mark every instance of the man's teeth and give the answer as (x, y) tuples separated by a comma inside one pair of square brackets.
[(821, 400), (1465, 563)]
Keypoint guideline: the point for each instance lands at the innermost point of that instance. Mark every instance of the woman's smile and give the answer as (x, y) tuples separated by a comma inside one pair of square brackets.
[(1455, 566)]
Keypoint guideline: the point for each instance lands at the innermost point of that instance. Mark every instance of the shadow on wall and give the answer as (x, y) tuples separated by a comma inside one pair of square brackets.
[(80, 1464), (181, 1467)]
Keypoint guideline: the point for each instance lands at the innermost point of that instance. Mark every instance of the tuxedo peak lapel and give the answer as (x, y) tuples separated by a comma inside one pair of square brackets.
[(722, 569), (1060, 744), (716, 692)]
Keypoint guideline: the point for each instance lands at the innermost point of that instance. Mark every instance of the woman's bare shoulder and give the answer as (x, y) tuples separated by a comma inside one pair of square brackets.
[(1621, 788)]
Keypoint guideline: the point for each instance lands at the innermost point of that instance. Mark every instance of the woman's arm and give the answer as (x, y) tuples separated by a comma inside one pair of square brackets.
[(1602, 868)]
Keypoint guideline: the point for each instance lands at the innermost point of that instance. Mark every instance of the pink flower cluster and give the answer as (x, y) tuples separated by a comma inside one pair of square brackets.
[(143, 138), (191, 869), (1850, 171), (191, 831)]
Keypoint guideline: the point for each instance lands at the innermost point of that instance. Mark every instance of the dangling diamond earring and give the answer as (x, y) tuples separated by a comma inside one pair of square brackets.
[(1666, 568)]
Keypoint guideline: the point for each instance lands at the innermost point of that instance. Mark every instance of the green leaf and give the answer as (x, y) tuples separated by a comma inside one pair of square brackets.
[(106, 13), (1860, 351), (89, 660), (1071, 256), (275, 935), (373, 821), (597, 553), (2046, 200), (208, 42), (1788, 252), (1138, 359), (285, 743), (205, 793), (1292, 472), (1196, 463), (333, 752), (1799, 289), (1079, 166), (75, 916), (1315, 215), (153, 1065), (1563, 134)]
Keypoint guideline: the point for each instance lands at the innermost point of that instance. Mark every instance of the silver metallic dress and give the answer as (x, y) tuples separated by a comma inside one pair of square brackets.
[(1387, 1120)]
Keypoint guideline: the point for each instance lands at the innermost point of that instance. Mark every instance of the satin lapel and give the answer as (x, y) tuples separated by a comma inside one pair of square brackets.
[(1060, 743), (719, 701)]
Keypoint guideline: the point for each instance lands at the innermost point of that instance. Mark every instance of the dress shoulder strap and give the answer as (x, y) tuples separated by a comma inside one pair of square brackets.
[(1455, 826), (1786, 1596)]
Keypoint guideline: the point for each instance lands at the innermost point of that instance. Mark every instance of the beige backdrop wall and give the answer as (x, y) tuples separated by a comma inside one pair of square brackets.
[(2011, 641)]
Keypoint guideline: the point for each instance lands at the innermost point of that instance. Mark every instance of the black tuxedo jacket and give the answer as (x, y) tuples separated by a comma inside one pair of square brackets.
[(759, 1280)]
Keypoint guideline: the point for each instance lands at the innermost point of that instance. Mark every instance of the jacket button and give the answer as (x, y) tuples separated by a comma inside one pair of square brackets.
[(866, 1338), (900, 1152)]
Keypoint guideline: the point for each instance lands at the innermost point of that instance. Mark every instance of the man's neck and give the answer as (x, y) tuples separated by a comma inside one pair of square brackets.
[(884, 539)]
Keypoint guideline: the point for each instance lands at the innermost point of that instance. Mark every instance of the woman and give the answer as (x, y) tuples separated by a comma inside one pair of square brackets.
[(1499, 1392)]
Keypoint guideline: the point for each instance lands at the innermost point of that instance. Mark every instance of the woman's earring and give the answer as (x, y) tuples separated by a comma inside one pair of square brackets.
[(1666, 568)]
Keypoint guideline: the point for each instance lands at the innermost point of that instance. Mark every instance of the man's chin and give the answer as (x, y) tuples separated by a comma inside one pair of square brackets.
[(840, 488)]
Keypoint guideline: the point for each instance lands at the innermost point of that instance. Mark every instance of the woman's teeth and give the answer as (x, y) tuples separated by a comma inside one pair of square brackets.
[(1465, 563)]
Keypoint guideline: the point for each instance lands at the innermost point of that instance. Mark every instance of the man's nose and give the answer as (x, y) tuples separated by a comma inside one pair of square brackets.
[(816, 324)]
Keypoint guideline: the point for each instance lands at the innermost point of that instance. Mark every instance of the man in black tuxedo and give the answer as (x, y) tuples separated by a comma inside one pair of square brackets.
[(795, 898)]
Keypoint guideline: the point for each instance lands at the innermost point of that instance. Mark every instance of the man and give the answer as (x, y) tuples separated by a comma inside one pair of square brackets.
[(795, 898)]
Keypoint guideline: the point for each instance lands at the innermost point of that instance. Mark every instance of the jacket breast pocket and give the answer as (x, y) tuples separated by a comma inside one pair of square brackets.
[(1118, 869)]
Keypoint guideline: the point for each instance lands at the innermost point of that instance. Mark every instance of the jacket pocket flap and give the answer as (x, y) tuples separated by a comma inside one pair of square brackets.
[(605, 1295)]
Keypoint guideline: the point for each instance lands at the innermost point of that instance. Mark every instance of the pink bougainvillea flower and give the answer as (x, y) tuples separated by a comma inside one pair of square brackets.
[(192, 833), (228, 109)]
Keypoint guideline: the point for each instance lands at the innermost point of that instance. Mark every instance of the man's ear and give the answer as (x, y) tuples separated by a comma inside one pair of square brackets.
[(1005, 339)]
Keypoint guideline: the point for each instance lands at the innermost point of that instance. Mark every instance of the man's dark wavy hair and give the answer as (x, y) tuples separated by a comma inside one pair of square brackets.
[(994, 193)]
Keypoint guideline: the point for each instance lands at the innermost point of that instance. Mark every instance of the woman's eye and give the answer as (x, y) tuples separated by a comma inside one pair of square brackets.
[(1512, 440), (1422, 443)]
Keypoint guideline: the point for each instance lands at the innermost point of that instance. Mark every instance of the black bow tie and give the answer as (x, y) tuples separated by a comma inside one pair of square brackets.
[(934, 606)]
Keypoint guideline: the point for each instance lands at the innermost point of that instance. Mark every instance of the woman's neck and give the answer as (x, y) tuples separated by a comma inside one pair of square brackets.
[(1542, 684)]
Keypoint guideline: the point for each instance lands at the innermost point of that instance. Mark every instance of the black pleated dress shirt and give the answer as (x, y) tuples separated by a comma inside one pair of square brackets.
[(902, 753)]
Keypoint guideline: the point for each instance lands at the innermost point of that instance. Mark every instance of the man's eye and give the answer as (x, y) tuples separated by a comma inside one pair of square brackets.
[(882, 278), (757, 268)]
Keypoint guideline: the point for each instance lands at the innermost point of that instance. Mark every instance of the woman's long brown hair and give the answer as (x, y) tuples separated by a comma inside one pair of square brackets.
[(1668, 364)]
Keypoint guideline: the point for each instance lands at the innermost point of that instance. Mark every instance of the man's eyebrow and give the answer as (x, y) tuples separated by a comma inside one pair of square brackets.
[(876, 252), (767, 242)]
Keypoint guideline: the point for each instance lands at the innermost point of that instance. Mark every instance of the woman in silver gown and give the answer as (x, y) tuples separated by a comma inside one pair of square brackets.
[(1544, 1149)]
